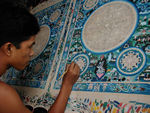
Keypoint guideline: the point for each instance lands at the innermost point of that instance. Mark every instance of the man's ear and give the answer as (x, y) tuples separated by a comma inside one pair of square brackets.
[(7, 48)]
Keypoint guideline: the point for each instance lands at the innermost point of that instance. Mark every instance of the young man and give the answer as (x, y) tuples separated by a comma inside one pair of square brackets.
[(18, 29)]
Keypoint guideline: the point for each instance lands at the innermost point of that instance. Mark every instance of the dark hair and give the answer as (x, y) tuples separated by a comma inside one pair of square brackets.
[(17, 24)]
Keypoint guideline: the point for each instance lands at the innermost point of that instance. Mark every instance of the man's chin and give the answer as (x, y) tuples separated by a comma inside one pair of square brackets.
[(21, 68)]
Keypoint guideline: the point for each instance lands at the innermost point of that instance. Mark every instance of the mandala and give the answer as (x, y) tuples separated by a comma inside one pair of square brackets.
[(41, 41), (83, 61), (109, 26), (38, 67), (131, 61), (89, 4)]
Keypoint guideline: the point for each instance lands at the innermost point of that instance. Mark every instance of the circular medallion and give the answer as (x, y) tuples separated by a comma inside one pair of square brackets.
[(131, 61), (83, 61), (41, 40), (109, 27), (37, 67)]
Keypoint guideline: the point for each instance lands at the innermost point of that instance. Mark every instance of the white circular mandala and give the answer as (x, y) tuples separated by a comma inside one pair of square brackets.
[(83, 61), (41, 41), (109, 26), (131, 61)]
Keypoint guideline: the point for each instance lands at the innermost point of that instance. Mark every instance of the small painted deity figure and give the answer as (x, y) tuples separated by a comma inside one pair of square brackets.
[(101, 67)]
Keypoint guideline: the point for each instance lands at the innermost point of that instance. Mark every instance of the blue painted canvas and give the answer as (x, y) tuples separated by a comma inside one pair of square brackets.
[(109, 40)]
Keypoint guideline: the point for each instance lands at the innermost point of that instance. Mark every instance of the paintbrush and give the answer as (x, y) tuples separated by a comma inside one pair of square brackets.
[(62, 75), (64, 72)]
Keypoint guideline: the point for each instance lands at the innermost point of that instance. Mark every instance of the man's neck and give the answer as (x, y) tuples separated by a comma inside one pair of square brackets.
[(2, 69), (3, 66)]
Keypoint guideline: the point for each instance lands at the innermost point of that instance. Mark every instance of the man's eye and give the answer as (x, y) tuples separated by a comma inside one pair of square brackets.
[(30, 47)]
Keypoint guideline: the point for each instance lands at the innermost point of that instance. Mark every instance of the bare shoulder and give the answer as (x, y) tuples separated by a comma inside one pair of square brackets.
[(6, 88), (10, 100), (7, 91)]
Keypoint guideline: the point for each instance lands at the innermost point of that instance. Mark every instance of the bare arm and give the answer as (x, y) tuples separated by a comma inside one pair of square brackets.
[(10, 101), (68, 81)]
